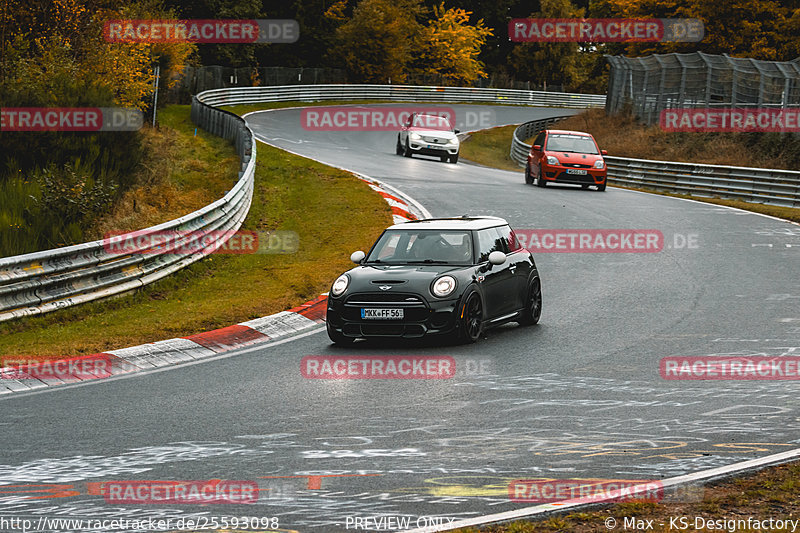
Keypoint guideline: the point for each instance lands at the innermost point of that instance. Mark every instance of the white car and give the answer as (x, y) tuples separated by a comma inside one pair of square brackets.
[(428, 135)]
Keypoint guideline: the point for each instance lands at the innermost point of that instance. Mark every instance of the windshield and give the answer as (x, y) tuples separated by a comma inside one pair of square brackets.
[(557, 142), (422, 246), (432, 122)]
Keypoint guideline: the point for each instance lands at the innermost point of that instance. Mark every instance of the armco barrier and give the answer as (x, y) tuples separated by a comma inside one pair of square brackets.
[(408, 93), (761, 185), (44, 281)]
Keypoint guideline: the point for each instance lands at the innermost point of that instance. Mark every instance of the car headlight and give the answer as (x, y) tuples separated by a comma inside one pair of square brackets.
[(599, 163), (553, 160), (415, 136), (340, 285), (443, 286)]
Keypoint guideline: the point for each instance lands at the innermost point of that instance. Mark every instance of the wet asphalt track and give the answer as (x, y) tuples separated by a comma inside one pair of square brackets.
[(578, 395)]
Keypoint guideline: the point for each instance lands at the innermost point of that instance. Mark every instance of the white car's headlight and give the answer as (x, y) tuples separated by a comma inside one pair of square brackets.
[(599, 163), (415, 136), (340, 285), (444, 286), (553, 160)]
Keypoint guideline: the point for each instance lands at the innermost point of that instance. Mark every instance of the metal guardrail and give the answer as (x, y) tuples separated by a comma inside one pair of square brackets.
[(40, 282), (313, 93), (760, 185)]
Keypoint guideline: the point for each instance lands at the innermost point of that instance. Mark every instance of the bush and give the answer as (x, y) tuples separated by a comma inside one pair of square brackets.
[(51, 207)]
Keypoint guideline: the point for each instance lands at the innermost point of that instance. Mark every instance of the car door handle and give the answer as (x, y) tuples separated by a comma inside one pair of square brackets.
[(512, 268)]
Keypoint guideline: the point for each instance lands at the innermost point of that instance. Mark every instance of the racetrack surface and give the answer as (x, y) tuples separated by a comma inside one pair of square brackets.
[(577, 396)]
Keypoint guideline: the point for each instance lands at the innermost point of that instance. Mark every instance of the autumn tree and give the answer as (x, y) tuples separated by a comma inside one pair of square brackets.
[(550, 63), (449, 46), (238, 55), (760, 29), (46, 40), (375, 45), (54, 55)]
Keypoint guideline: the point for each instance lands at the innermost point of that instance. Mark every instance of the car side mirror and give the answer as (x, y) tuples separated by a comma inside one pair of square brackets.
[(357, 256), (497, 258), (603, 152), (456, 131), (537, 147)]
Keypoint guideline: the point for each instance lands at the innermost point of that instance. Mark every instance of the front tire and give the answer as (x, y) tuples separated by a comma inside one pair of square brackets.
[(407, 150), (398, 149), (601, 188), (533, 304), (540, 182), (337, 337), (443, 158), (528, 177), (471, 323), (454, 159)]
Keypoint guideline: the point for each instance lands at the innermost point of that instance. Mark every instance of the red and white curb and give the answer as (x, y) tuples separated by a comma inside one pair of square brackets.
[(209, 343), (184, 349), (401, 210)]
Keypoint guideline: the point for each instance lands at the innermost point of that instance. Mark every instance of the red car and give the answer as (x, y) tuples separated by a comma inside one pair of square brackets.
[(559, 156)]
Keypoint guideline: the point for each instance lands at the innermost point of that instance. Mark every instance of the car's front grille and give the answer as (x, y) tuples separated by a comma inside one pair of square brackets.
[(434, 140), (384, 330), (414, 308), (577, 165), (396, 299), (576, 178)]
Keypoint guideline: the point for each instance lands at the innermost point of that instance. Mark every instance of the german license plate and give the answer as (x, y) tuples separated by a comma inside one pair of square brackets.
[(434, 146), (381, 314), (581, 171)]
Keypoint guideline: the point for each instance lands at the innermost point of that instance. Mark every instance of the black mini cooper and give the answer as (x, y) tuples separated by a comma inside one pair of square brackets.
[(453, 276)]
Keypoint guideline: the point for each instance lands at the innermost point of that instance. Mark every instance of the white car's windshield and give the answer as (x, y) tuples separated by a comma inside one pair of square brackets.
[(432, 122), (422, 246)]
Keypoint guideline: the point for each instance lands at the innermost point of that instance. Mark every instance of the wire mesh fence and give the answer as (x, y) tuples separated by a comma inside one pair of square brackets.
[(648, 85)]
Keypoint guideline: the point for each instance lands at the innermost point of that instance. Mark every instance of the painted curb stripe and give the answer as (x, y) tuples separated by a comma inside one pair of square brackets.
[(280, 324), (228, 338), (314, 309), (402, 212)]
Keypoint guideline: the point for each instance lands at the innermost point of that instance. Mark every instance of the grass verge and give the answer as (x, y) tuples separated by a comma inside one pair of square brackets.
[(332, 211), (176, 177), (491, 147), (770, 493)]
